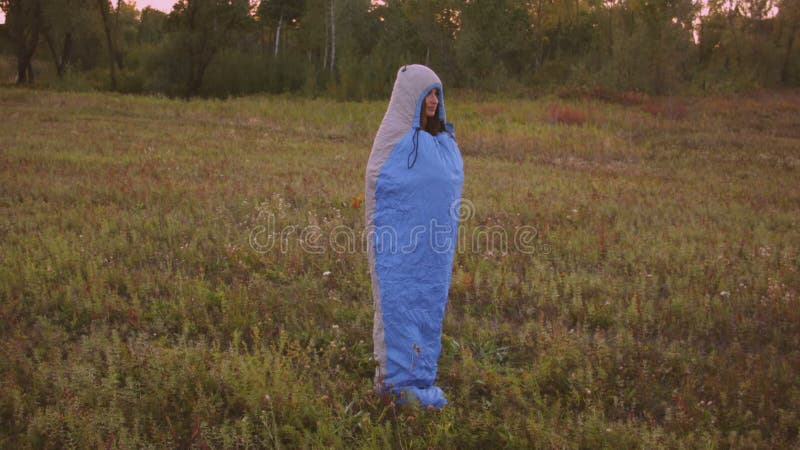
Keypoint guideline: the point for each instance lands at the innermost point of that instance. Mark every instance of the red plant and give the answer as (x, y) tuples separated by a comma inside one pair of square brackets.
[(467, 280), (590, 92), (602, 240), (669, 109), (630, 98), (599, 93), (356, 200), (572, 92), (566, 115), (132, 317), (491, 109)]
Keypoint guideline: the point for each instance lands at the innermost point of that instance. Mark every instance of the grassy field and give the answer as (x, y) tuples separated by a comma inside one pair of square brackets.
[(656, 304)]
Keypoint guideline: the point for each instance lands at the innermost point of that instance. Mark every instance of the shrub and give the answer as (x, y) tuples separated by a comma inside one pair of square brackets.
[(630, 98), (566, 115), (668, 108)]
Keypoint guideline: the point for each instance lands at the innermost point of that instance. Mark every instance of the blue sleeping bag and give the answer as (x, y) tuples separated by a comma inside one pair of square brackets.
[(412, 195)]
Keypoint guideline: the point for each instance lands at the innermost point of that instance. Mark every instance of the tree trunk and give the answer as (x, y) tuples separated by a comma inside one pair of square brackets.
[(198, 72), (262, 41), (61, 61), (111, 52), (610, 32), (117, 52), (24, 61), (278, 34), (327, 45), (736, 45), (787, 58), (66, 53), (24, 71), (333, 36), (24, 30), (52, 47), (539, 35), (29, 70)]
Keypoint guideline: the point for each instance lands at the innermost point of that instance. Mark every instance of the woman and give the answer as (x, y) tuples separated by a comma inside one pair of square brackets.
[(413, 189)]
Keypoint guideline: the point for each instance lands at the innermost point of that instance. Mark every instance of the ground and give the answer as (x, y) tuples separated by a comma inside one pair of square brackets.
[(627, 275)]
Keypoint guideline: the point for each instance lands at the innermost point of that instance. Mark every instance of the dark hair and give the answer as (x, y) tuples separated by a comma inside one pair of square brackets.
[(434, 125)]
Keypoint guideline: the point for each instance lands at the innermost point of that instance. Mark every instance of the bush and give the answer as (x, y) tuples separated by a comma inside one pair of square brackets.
[(566, 115), (667, 108), (233, 72)]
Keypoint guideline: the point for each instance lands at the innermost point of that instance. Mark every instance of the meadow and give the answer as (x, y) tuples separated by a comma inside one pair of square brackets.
[(656, 303)]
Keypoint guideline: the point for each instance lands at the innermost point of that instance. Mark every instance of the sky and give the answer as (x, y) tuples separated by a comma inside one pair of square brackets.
[(166, 6), (162, 5)]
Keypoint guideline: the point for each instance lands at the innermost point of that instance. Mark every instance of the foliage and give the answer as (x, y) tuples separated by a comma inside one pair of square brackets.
[(565, 115), (351, 49)]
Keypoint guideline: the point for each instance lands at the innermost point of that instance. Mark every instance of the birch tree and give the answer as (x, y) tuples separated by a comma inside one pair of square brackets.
[(279, 13)]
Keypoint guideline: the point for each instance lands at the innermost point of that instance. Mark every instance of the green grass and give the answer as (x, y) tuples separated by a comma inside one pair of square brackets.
[(659, 306)]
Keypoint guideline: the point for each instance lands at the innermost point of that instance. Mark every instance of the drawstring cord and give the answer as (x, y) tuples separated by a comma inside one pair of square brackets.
[(415, 148)]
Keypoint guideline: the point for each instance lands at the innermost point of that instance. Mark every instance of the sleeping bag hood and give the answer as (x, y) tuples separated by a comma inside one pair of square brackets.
[(412, 196)]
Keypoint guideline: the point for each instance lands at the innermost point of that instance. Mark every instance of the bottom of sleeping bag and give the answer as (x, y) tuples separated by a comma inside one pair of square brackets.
[(429, 396)]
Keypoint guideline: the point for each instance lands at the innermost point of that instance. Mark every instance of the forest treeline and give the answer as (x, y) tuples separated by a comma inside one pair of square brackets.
[(352, 48)]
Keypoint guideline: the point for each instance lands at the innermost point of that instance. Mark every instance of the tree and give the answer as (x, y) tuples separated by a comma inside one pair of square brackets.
[(151, 26), (332, 22), (744, 45), (789, 23), (124, 18), (277, 13), (494, 44), (24, 22), (199, 29), (667, 34), (433, 28), (125, 30), (104, 8), (60, 29)]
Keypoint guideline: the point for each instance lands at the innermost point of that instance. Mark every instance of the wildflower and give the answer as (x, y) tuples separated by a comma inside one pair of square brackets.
[(725, 294), (356, 200), (267, 398), (327, 273)]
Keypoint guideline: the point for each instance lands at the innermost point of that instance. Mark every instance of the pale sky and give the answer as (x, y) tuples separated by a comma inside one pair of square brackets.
[(166, 6), (163, 5)]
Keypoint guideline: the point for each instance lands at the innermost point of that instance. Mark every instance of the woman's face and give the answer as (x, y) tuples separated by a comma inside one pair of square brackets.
[(431, 102)]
